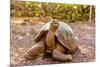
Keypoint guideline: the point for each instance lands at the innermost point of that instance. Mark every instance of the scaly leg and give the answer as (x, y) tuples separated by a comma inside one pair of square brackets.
[(58, 54), (33, 52)]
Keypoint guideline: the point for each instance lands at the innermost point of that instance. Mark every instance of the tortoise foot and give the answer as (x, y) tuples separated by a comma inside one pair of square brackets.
[(29, 57)]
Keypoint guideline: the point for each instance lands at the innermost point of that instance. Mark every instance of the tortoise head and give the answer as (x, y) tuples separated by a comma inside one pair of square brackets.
[(54, 25)]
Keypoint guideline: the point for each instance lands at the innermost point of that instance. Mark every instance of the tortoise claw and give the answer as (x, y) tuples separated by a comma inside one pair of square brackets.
[(29, 57)]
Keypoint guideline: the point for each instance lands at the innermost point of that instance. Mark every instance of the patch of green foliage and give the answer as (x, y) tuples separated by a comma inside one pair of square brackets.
[(69, 12)]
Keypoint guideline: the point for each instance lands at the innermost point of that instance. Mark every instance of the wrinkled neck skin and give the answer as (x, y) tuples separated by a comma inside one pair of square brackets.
[(50, 39), (51, 33), (53, 30)]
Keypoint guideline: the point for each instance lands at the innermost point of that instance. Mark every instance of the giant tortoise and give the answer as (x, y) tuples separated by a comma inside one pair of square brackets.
[(56, 38)]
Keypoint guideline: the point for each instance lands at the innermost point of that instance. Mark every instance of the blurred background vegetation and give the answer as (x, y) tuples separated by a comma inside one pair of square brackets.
[(61, 11)]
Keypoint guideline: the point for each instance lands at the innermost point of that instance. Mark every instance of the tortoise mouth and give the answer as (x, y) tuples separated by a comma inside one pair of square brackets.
[(53, 28), (54, 23)]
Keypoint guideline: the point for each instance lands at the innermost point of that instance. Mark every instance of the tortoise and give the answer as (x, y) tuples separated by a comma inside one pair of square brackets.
[(55, 37)]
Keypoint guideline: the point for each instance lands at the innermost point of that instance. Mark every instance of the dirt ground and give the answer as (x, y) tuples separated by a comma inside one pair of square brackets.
[(22, 38)]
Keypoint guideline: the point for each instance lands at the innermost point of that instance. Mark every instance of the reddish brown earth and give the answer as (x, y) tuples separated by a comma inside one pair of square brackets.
[(22, 36)]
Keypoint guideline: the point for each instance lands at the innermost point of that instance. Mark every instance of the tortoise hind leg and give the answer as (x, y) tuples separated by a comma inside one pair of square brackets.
[(33, 52)]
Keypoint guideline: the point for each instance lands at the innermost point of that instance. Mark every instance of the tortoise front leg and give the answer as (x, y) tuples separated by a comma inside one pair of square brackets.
[(57, 55), (33, 52)]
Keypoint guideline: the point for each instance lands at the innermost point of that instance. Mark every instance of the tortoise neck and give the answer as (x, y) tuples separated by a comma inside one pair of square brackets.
[(50, 40), (52, 32)]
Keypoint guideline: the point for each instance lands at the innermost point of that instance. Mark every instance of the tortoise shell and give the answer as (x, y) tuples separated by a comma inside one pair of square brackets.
[(64, 35)]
